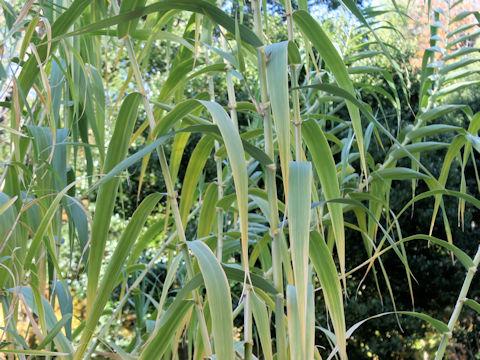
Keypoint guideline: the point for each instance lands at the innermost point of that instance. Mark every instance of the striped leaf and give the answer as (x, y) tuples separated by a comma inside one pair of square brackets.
[(215, 14), (277, 80), (332, 292), (330, 55), (118, 258), (300, 184), (236, 155), (219, 300), (326, 170), (107, 192), (195, 168)]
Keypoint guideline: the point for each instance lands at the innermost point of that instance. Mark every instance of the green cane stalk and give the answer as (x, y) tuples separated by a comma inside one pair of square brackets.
[(298, 152), (271, 188), (458, 306), (293, 78), (218, 160), (232, 104)]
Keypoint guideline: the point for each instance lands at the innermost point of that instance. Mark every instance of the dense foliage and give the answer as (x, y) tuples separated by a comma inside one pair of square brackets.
[(185, 179)]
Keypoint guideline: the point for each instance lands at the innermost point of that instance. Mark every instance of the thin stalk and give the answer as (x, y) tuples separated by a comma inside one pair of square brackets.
[(218, 163), (171, 194), (271, 187), (247, 322), (390, 159), (293, 79), (430, 104), (458, 306), (207, 35), (239, 308), (232, 102)]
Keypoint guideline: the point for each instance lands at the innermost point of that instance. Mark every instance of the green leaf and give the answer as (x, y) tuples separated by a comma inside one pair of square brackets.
[(234, 272), (195, 168), (42, 353), (419, 147), (332, 292), (61, 25), (294, 327), (78, 215), (117, 260), (213, 130), (262, 321), (326, 170), (433, 130), (60, 340), (132, 159), (277, 81), (437, 324), (463, 15), (455, 88), (219, 300), (461, 52), (180, 110), (236, 155), (44, 224), (14, 244), (165, 331), (453, 150), (54, 331), (324, 46), (354, 327), (128, 27), (300, 184), (176, 77), (215, 14), (65, 302), (117, 150), (473, 304), (460, 254), (207, 211), (398, 173)]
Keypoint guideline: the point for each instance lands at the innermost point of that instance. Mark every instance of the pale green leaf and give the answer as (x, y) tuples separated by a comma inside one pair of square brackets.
[(219, 300), (332, 292)]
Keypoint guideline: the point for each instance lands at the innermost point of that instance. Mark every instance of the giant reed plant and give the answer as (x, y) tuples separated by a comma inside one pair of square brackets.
[(68, 132)]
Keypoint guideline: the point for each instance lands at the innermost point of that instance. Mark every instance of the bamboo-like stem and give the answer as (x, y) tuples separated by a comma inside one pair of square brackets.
[(247, 312), (299, 156), (247, 323), (232, 102), (430, 104), (271, 187), (293, 79), (390, 159), (218, 163), (458, 306)]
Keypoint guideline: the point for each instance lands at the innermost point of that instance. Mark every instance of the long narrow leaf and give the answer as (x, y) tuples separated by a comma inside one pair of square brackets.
[(107, 192), (324, 46), (219, 299), (332, 292)]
